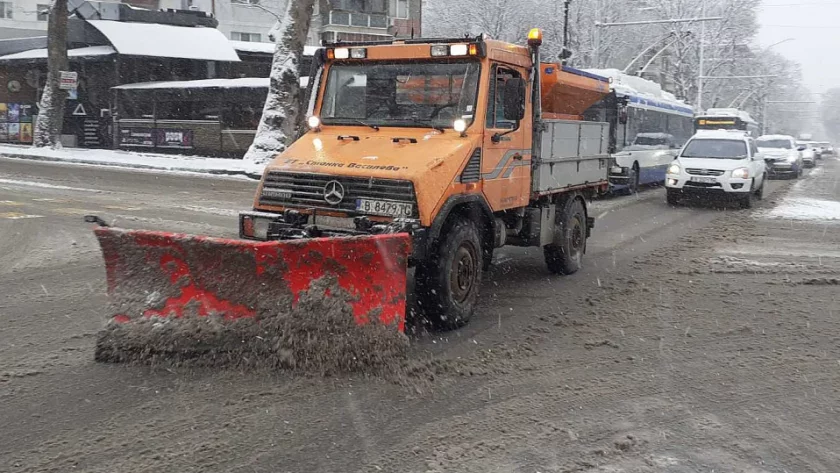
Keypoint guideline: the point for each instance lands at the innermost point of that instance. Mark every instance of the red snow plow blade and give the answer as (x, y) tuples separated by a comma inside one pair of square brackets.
[(172, 275)]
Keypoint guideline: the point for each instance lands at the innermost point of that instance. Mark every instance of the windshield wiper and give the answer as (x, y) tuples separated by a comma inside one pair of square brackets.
[(375, 127), (425, 123)]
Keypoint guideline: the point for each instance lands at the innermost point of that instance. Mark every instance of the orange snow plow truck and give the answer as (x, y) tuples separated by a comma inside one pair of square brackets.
[(424, 153)]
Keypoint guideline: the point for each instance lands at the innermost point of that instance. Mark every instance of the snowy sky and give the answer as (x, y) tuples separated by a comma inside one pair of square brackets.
[(814, 26)]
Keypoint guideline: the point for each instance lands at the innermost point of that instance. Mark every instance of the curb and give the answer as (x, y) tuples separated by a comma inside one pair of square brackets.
[(217, 172)]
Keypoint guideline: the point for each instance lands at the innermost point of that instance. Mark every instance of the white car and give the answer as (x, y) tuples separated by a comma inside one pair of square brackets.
[(781, 154), (718, 163), (809, 156)]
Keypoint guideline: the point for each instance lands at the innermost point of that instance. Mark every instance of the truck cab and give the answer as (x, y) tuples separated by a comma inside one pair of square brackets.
[(445, 140)]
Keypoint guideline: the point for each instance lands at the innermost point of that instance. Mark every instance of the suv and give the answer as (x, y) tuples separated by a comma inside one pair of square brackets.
[(722, 163), (781, 154)]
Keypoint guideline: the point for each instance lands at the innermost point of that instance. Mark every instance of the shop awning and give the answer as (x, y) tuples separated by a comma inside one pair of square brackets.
[(157, 40), (38, 54)]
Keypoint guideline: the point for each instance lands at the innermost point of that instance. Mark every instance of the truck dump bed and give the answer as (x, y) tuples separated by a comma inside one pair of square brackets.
[(574, 153), (568, 92)]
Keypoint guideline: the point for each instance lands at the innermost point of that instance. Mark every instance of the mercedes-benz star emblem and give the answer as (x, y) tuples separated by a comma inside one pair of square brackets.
[(333, 192)]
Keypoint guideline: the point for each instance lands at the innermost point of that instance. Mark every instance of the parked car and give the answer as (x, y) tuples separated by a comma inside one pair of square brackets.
[(643, 162), (825, 149), (718, 164), (809, 156), (781, 154)]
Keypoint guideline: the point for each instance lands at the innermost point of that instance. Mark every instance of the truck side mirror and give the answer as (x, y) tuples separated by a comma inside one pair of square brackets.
[(800, 148), (514, 99)]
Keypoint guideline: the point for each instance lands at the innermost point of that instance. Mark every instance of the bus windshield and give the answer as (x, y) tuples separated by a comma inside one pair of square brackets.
[(425, 94), (715, 148)]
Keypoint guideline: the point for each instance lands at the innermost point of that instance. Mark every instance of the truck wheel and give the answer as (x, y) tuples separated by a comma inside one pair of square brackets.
[(570, 226), (447, 285)]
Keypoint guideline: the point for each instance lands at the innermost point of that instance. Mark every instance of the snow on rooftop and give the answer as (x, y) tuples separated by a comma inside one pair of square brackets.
[(775, 137), (728, 112), (626, 84), (267, 48), (241, 83), (252, 47), (153, 39), (90, 51), (721, 134)]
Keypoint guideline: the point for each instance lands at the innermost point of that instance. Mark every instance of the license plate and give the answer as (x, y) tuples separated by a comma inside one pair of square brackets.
[(384, 207), (703, 180)]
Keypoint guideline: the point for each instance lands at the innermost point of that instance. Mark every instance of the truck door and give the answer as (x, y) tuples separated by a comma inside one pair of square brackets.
[(506, 164)]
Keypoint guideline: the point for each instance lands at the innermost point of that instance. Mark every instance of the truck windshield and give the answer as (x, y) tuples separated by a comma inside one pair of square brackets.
[(780, 144), (714, 148), (424, 94)]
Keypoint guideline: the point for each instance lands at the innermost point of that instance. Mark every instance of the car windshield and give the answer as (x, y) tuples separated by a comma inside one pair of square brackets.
[(779, 144), (430, 94), (650, 141), (715, 148)]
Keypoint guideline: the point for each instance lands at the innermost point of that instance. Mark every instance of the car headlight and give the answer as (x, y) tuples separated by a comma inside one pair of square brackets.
[(741, 173), (674, 169)]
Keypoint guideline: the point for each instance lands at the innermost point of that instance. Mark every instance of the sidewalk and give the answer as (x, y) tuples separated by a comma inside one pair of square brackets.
[(135, 160)]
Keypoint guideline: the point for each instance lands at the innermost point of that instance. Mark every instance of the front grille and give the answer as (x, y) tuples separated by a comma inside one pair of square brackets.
[(704, 172), (472, 171), (307, 190), (706, 185)]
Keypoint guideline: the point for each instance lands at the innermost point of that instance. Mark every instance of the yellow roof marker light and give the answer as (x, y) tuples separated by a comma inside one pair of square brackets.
[(535, 37)]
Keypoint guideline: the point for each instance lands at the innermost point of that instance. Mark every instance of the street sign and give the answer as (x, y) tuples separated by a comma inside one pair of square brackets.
[(80, 111), (69, 80)]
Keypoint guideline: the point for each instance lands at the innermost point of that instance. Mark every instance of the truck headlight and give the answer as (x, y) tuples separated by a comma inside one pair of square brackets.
[(674, 169), (741, 173)]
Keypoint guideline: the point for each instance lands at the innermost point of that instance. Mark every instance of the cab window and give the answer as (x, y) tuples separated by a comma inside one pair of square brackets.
[(495, 106)]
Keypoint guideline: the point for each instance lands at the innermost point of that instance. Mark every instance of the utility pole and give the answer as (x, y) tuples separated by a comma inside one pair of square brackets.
[(699, 104)]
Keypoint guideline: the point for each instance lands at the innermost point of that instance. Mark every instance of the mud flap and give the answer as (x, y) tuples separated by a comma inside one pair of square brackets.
[(172, 275)]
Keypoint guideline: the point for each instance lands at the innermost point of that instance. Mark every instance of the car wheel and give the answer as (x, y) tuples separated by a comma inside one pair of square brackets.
[(634, 179), (759, 193), (672, 197), (747, 200)]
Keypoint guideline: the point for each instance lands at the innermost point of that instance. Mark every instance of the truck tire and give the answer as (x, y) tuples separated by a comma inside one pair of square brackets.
[(570, 224), (447, 285)]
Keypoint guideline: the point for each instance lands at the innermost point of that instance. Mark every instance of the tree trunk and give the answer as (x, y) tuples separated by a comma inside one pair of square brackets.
[(282, 109), (53, 99)]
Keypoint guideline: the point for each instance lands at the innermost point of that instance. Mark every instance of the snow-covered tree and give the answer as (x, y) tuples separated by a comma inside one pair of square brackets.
[(51, 108), (282, 110), (831, 114), (729, 42)]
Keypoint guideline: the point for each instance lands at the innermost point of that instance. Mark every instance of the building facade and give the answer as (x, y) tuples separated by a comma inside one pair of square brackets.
[(23, 18)]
